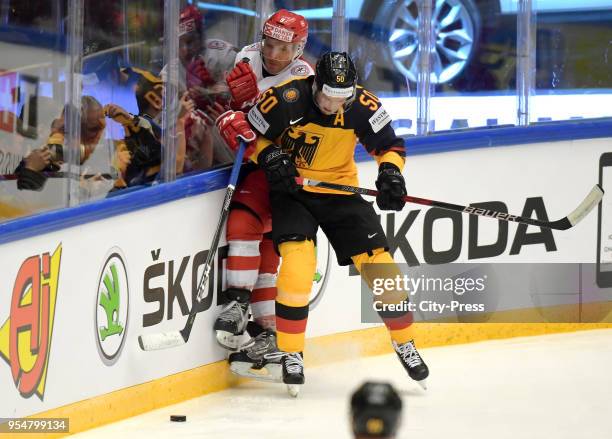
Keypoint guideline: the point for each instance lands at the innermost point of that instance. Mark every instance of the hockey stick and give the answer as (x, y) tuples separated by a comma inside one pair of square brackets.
[(170, 339), (591, 200)]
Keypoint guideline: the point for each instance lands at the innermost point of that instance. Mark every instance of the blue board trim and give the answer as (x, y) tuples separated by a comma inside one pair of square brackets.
[(119, 203), (124, 202), (445, 141)]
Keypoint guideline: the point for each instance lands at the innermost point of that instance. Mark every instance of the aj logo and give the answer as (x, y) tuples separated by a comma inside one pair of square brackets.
[(25, 337)]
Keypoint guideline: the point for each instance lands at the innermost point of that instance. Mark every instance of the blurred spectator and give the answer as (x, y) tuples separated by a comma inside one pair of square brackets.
[(202, 63), (33, 170), (202, 66), (31, 125), (139, 154), (31, 128), (36, 116), (198, 135), (376, 410)]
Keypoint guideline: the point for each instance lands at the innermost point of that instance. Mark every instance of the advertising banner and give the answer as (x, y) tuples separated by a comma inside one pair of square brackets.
[(75, 301)]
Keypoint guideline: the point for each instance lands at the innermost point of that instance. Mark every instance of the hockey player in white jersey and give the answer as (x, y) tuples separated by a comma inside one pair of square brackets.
[(202, 66), (271, 61), (201, 62), (252, 262)]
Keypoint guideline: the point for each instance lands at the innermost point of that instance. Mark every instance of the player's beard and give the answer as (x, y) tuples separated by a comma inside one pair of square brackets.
[(273, 66)]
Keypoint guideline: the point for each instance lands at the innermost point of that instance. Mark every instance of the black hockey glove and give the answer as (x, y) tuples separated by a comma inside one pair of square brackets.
[(391, 188), (28, 179), (280, 170)]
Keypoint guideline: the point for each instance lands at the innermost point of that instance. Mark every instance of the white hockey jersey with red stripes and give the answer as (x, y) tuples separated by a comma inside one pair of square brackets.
[(298, 68)]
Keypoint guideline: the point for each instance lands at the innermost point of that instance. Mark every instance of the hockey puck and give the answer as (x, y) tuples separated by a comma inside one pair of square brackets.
[(178, 418)]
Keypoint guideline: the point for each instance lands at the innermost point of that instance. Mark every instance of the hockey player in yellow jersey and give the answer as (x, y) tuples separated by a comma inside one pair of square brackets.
[(311, 127)]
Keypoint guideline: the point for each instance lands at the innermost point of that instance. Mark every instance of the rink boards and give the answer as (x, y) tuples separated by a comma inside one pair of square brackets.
[(76, 299)]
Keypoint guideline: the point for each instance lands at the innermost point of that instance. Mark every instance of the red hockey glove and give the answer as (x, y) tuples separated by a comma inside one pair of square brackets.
[(232, 125), (242, 83), (198, 75)]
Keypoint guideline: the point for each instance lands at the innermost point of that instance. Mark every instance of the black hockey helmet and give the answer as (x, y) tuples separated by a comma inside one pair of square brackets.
[(375, 410), (336, 76)]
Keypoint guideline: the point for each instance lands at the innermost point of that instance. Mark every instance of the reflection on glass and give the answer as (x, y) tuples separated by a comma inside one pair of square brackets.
[(205, 58), (475, 65), (473, 59), (574, 60), (121, 84), (32, 91), (122, 47)]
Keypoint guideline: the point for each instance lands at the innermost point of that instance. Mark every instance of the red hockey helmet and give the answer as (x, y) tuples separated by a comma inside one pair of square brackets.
[(190, 20), (289, 27)]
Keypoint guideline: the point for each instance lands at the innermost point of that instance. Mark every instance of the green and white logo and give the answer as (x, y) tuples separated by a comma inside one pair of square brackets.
[(112, 307), (323, 271)]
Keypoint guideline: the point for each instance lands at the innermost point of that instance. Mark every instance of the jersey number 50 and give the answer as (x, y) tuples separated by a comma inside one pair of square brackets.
[(367, 99), (268, 101)]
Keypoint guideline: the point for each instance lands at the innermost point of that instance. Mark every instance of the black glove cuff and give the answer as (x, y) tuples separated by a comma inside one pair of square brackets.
[(269, 154), (389, 168), (28, 179), (388, 174)]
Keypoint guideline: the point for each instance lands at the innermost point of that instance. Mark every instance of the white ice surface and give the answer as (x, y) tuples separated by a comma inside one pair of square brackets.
[(555, 386)]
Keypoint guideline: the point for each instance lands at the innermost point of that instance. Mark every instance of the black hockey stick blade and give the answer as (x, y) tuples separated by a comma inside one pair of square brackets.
[(583, 209)]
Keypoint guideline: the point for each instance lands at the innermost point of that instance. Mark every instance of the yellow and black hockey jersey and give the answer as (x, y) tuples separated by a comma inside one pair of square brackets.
[(323, 146)]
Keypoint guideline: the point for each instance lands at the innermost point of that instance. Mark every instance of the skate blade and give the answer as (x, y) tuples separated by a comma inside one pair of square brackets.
[(294, 389), (229, 341), (270, 373), (423, 384)]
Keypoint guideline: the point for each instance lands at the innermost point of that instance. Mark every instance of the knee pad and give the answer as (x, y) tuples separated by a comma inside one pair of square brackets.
[(380, 266), (376, 256), (243, 225), (269, 258), (297, 271)]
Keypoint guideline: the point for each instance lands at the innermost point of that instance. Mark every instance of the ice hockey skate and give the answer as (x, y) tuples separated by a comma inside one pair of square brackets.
[(292, 364), (412, 362), (254, 360), (231, 324)]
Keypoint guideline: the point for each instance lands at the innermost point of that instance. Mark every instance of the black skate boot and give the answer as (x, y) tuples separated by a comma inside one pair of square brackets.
[(254, 359), (293, 372), (292, 364), (412, 362), (232, 321), (293, 368)]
